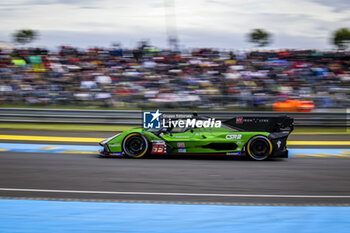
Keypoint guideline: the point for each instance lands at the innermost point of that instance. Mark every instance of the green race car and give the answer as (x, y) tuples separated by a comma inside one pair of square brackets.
[(257, 137)]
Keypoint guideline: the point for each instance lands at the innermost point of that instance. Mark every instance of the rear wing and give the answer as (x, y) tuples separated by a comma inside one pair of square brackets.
[(262, 123)]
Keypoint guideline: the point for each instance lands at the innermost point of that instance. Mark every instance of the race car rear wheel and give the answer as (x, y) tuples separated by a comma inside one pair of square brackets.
[(135, 145), (259, 148)]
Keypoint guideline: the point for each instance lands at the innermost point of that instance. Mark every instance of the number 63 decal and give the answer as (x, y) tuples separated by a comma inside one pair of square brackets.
[(158, 149)]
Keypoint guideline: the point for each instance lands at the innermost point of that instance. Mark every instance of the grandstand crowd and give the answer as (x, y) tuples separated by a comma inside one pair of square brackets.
[(198, 78)]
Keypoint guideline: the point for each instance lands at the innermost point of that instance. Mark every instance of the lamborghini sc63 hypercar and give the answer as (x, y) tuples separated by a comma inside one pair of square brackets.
[(257, 137)]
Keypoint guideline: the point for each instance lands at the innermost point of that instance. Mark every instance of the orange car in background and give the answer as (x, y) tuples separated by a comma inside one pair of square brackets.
[(294, 106)]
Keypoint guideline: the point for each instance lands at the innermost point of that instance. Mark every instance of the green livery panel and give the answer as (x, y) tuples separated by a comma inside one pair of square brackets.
[(225, 140)]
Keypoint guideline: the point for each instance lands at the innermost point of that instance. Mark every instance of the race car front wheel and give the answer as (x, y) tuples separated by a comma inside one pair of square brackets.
[(135, 145), (259, 148)]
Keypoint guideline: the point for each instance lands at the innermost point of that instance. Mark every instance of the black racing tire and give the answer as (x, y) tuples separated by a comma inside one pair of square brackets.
[(135, 145), (259, 148)]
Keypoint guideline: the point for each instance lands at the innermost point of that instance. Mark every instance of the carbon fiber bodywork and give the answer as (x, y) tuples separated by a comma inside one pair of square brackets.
[(234, 138)]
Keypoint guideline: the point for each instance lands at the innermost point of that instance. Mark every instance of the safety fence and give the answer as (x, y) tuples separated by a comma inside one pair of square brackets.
[(134, 117)]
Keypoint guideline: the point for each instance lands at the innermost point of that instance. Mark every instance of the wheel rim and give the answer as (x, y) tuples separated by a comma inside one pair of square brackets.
[(135, 146), (259, 148)]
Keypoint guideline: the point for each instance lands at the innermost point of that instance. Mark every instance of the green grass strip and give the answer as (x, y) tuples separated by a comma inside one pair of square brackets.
[(116, 128), (65, 127)]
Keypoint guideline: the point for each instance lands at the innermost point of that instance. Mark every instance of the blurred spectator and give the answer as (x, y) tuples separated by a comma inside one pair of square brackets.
[(148, 77)]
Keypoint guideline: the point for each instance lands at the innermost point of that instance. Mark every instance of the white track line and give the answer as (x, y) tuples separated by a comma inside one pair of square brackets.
[(171, 194)]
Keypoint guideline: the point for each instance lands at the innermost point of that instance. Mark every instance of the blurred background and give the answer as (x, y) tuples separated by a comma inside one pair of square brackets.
[(296, 61)]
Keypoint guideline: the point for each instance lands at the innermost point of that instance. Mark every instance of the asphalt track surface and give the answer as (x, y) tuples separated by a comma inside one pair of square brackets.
[(293, 181)]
